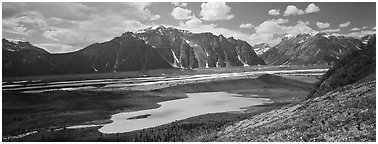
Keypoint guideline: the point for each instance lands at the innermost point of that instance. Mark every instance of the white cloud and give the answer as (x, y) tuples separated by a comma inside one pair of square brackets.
[(132, 25), (266, 31), (312, 8), (355, 29), (195, 25), (330, 30), (194, 22), (292, 10), (66, 10), (300, 27), (184, 4), (346, 24), (271, 26), (92, 23), (247, 26), (365, 27), (322, 25), (274, 12), (92, 31), (176, 3), (57, 48), (373, 28), (359, 34), (142, 11), (17, 24), (181, 4), (264, 38), (181, 14), (19, 30), (212, 11)]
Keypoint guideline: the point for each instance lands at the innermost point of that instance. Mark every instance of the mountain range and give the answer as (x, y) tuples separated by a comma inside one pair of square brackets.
[(152, 48), (166, 47), (311, 49)]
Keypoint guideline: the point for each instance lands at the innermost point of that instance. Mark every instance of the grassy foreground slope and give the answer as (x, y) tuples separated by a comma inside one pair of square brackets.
[(342, 108), (345, 114)]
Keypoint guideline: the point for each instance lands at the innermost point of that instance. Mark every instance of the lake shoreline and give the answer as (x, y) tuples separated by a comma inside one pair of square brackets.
[(169, 93), (176, 110)]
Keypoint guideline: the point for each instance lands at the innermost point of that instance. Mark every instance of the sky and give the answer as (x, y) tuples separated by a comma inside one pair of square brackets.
[(66, 27)]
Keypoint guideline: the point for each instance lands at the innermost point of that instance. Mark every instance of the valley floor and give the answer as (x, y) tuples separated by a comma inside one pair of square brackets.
[(47, 116)]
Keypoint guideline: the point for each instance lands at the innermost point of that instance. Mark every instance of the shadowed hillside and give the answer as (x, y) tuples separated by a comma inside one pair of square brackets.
[(341, 108)]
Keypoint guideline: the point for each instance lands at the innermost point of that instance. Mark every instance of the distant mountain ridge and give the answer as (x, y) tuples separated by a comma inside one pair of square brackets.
[(184, 49), (307, 49), (152, 48), (23, 57), (167, 47)]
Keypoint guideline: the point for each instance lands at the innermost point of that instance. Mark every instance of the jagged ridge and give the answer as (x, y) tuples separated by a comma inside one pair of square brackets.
[(151, 48), (184, 49), (307, 49)]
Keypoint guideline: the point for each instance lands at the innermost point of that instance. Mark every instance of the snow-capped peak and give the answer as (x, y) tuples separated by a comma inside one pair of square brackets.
[(18, 41), (314, 33), (261, 48), (289, 36), (154, 27), (326, 35), (141, 31)]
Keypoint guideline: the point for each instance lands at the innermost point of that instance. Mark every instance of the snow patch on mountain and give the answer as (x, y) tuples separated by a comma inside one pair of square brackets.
[(244, 64), (261, 48), (176, 60)]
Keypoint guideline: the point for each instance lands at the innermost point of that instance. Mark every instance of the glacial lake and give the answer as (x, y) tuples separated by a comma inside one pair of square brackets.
[(170, 111)]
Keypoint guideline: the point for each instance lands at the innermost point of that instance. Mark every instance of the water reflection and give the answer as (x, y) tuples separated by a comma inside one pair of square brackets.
[(195, 104)]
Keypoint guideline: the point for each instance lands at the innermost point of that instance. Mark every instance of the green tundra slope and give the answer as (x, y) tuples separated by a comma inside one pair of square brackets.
[(341, 108), (345, 114)]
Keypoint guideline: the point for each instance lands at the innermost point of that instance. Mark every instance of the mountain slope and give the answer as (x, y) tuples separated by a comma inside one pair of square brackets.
[(342, 108), (354, 66), (344, 114), (307, 49), (182, 48), (22, 58), (124, 53), (152, 48)]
